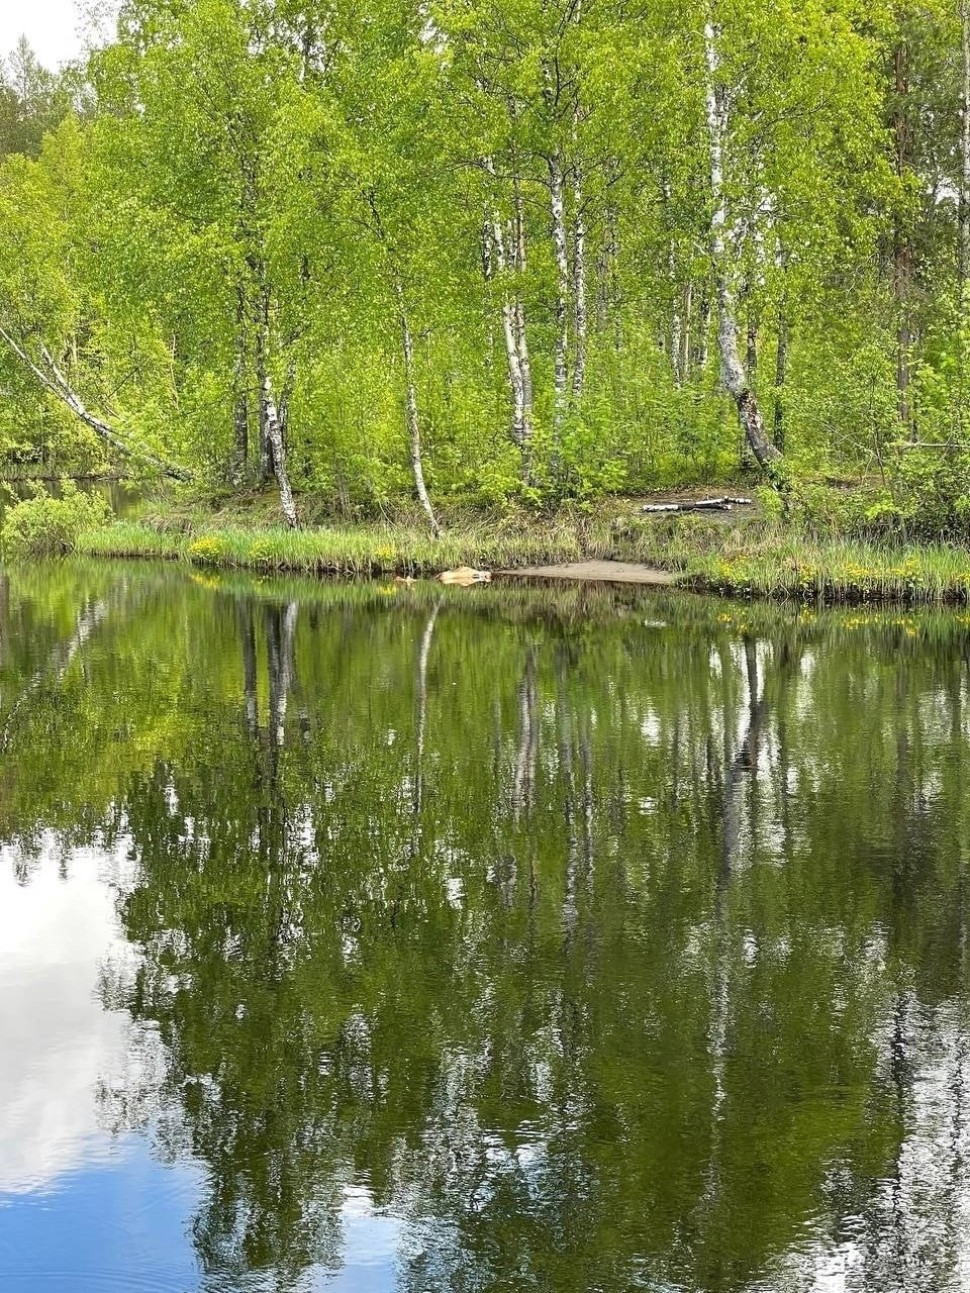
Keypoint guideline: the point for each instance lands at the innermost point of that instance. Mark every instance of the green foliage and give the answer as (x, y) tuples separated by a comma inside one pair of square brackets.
[(243, 206), (48, 524)]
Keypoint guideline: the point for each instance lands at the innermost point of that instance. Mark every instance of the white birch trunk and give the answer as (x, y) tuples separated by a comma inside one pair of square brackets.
[(580, 320), (509, 256), (54, 381), (676, 319), (733, 372), (411, 419), (521, 428), (522, 341), (562, 286), (277, 450), (411, 416)]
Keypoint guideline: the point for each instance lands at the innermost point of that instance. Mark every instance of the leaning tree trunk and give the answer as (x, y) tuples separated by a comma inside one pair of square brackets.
[(733, 372), (54, 381)]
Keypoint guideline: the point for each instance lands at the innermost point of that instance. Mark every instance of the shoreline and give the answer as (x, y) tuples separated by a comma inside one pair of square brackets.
[(747, 558)]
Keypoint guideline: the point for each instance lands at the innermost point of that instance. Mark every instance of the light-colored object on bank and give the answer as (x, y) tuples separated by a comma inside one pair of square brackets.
[(699, 505), (465, 576), (596, 572)]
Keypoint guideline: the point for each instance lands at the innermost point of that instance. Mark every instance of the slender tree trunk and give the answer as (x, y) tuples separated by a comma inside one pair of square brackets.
[(781, 376), (411, 415), (240, 413), (732, 369), (580, 321), (521, 419), (676, 318), (411, 419), (751, 357), (902, 249), (265, 446), (562, 286), (522, 341), (277, 450)]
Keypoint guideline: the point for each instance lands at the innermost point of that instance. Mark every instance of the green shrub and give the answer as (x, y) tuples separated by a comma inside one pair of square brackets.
[(46, 525)]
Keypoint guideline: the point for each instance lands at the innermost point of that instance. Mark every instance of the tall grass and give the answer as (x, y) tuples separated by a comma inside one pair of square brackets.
[(363, 550), (747, 558)]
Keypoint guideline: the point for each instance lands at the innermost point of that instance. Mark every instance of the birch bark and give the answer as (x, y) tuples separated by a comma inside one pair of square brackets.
[(562, 286), (522, 340), (521, 423), (277, 450), (580, 320), (733, 372), (508, 246), (54, 381), (411, 416), (411, 419)]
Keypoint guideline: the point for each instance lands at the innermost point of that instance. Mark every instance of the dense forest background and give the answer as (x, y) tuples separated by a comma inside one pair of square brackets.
[(492, 250)]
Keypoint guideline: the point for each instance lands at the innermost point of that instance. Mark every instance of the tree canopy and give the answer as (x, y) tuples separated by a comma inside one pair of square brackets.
[(490, 250)]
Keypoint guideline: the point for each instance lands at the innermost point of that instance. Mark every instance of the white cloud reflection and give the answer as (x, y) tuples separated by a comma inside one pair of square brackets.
[(56, 1039)]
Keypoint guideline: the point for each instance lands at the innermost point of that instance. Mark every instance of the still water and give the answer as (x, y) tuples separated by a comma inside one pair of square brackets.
[(380, 939)]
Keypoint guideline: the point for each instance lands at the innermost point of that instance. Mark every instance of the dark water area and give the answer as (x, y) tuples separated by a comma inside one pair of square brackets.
[(372, 939), (122, 495)]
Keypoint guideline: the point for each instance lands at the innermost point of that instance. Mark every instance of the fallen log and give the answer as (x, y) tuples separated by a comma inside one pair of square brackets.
[(699, 505)]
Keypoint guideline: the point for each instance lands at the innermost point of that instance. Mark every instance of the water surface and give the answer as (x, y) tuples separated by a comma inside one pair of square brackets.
[(381, 939)]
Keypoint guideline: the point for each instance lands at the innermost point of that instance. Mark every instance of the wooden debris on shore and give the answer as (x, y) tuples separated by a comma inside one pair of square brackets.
[(465, 576), (699, 505)]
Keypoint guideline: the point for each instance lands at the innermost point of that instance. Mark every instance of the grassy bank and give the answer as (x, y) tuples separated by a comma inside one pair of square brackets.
[(736, 554), (354, 550)]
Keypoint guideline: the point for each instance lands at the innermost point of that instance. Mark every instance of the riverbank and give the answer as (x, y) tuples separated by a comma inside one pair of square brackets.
[(739, 554)]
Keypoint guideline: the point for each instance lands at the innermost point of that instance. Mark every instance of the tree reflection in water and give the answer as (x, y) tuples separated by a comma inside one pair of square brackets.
[(597, 952)]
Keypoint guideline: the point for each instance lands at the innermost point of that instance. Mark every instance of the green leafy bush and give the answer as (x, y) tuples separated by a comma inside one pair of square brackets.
[(47, 525)]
